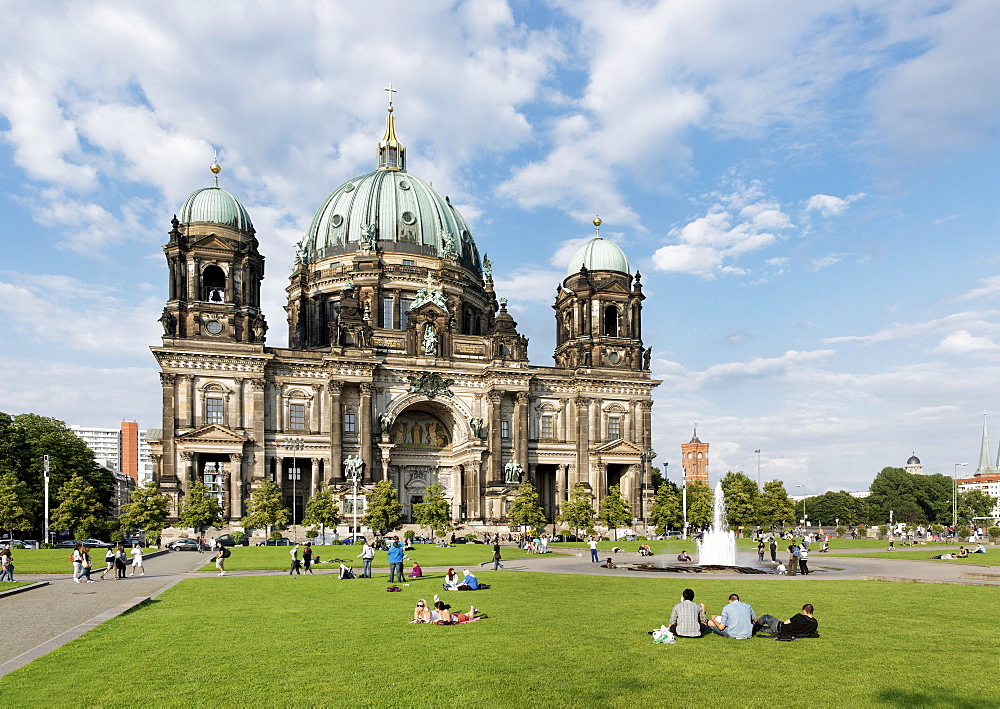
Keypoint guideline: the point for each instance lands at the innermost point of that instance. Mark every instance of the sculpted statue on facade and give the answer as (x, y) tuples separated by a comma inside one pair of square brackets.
[(354, 467), (430, 340), (476, 424), (512, 472)]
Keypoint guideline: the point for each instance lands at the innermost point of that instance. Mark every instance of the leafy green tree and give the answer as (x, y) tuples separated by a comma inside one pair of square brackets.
[(831, 506), (24, 441), (524, 509), (322, 509), (899, 491), (741, 495), (614, 512), (700, 500), (147, 512), (578, 511), (973, 503), (434, 512), (16, 505), (775, 507), (666, 510), (199, 510), (79, 510), (265, 508), (384, 513)]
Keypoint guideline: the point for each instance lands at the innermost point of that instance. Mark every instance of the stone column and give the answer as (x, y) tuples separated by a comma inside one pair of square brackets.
[(184, 419), (596, 435), (569, 421), (365, 429), (583, 439), (495, 475), (186, 472), (336, 429), (168, 392), (235, 486), (599, 483), (256, 425), (279, 407), (313, 474), (317, 409), (562, 486), (239, 423), (519, 427)]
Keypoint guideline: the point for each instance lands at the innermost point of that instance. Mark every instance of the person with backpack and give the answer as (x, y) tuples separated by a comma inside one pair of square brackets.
[(77, 558), (307, 555), (220, 560), (121, 562)]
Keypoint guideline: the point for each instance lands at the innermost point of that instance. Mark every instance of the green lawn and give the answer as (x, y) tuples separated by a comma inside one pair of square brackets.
[(550, 641), (7, 585), (990, 558), (55, 561), (675, 546), (427, 555)]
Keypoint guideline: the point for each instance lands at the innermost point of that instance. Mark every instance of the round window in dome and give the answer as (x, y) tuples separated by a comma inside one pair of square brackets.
[(214, 327), (336, 220), (408, 218), (404, 185), (349, 187), (613, 357)]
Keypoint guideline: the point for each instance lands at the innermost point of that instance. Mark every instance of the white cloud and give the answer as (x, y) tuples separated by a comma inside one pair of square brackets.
[(830, 206), (963, 342), (825, 262), (989, 286), (533, 285), (900, 331), (740, 222)]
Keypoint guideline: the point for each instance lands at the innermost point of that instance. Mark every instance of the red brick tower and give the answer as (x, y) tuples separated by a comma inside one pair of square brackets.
[(694, 460)]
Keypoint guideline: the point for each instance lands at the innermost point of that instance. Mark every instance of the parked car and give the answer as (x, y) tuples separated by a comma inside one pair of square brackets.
[(132, 541), (96, 544), (227, 540), (184, 545), (283, 542), (351, 540), (66, 544)]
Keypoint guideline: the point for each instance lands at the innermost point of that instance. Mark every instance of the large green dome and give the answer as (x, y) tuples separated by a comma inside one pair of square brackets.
[(598, 255), (215, 206)]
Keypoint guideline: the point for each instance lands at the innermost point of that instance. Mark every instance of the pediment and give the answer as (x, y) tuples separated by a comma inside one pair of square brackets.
[(430, 307), (614, 287), (212, 433), (619, 447), (214, 242)]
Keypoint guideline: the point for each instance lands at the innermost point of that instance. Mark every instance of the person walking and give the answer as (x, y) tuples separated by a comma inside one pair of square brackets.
[(220, 560), (77, 558), (804, 561), (6, 564), (295, 567), (307, 557), (86, 564), (366, 555), (773, 547), (395, 554), (497, 566), (760, 551), (137, 560), (109, 561)]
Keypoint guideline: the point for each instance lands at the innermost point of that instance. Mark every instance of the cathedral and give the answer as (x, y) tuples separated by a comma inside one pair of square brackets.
[(402, 363)]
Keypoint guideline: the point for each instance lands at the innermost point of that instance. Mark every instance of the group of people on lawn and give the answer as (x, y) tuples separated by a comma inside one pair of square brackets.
[(737, 621)]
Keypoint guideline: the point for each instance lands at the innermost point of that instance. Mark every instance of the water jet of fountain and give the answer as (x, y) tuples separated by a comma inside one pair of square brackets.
[(718, 544)]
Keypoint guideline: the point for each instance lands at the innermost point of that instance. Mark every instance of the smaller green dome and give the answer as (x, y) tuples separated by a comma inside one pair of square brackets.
[(215, 206), (598, 255)]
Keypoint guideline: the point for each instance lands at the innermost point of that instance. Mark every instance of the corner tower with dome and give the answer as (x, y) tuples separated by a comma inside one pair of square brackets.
[(402, 363)]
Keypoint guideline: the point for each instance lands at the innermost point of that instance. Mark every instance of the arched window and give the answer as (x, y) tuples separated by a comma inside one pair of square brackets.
[(213, 282), (611, 321)]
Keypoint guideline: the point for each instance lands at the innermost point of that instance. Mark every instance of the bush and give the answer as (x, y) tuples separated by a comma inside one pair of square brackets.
[(471, 537), (937, 528), (46, 545), (964, 531), (238, 536), (408, 535), (993, 532), (841, 530), (883, 529), (641, 538), (312, 533), (117, 536), (276, 534)]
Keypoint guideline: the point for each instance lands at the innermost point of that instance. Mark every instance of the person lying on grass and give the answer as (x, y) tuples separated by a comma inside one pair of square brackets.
[(421, 613), (800, 625), (442, 615)]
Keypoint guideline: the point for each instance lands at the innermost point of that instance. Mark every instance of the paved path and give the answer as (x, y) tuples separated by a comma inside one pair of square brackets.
[(40, 620)]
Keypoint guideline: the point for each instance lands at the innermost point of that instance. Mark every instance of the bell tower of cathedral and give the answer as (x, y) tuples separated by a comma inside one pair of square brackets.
[(599, 310), (215, 271)]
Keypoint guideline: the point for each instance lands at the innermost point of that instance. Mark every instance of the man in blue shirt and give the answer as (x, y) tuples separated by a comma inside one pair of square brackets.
[(736, 622), (395, 555)]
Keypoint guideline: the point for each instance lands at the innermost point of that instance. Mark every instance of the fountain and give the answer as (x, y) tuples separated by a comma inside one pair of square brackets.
[(717, 547)]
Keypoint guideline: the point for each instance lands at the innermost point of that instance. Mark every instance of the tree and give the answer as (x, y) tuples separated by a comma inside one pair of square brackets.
[(741, 496), (578, 511), (26, 439), (614, 512), (383, 513), (973, 503), (524, 509), (322, 509), (666, 511), (896, 490), (16, 505), (199, 510), (265, 508), (831, 506), (147, 512), (701, 499), (79, 511), (434, 512), (774, 505)]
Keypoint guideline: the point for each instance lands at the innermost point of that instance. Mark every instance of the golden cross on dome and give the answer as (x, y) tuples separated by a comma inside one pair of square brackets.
[(391, 92)]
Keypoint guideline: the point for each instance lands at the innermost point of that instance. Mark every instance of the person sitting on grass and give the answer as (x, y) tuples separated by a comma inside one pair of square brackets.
[(736, 622), (780, 569), (962, 553), (800, 625), (644, 550), (609, 564), (688, 619), (469, 583), (451, 581), (979, 549), (416, 572), (684, 556)]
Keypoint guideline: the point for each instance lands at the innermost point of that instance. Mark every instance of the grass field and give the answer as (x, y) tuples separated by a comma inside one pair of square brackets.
[(277, 558), (550, 641), (990, 558), (675, 546), (55, 561), (7, 585)]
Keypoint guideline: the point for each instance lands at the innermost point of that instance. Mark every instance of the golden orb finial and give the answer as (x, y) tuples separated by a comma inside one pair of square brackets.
[(216, 168), (597, 221)]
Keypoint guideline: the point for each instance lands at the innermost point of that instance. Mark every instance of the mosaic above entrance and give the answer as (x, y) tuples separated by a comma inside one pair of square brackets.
[(419, 430)]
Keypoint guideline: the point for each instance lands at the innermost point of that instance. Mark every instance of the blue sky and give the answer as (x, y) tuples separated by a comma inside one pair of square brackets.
[(809, 190)]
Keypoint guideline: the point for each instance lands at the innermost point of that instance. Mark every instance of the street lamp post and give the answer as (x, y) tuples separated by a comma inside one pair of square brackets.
[(295, 445), (954, 497), (758, 468), (684, 496), (803, 503)]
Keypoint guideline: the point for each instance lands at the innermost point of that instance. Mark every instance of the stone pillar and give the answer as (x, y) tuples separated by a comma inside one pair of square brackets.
[(336, 430), (166, 468), (569, 420), (313, 475), (519, 427), (316, 415), (562, 486), (235, 487), (595, 422), (186, 472), (583, 439), (184, 419), (365, 429), (239, 423), (495, 475), (599, 483), (279, 408), (257, 426)]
